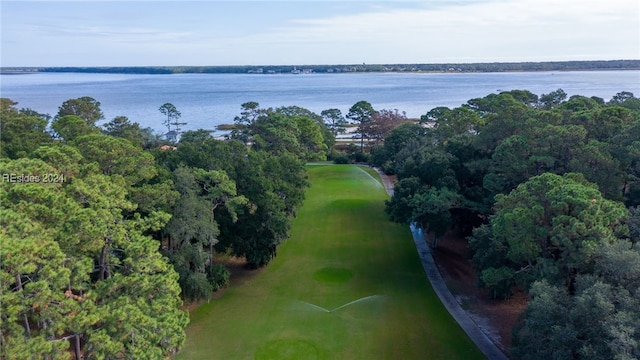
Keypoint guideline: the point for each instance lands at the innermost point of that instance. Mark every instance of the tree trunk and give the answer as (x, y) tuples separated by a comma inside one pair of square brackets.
[(211, 254), (625, 186), (76, 347), (25, 318), (104, 266)]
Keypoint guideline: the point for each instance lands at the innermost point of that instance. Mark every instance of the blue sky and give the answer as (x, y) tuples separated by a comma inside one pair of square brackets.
[(213, 32)]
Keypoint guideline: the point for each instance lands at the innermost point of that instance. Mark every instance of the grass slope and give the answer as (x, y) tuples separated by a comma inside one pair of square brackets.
[(348, 284)]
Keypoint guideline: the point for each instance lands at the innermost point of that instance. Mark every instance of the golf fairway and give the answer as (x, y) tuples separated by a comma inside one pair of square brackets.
[(348, 284)]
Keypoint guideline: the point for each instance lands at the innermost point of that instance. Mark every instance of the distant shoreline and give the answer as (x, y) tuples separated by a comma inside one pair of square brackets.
[(591, 65)]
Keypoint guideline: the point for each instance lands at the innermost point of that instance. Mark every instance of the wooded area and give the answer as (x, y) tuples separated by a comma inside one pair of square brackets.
[(106, 230), (548, 191)]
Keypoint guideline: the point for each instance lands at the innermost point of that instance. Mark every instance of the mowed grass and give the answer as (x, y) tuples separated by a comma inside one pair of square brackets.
[(348, 284)]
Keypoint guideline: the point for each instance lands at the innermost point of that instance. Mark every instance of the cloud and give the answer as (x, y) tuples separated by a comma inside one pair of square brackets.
[(216, 32), (524, 29), (102, 32)]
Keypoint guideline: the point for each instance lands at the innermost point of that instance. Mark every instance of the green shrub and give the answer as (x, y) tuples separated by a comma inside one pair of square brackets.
[(341, 160), (218, 276), (334, 153), (388, 167), (360, 157), (195, 286), (498, 281)]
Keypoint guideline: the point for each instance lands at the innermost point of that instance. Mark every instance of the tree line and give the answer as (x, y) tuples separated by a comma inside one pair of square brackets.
[(339, 68), (547, 190), (106, 230)]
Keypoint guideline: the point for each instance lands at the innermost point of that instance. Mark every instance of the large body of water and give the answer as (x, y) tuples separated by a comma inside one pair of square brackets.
[(207, 100)]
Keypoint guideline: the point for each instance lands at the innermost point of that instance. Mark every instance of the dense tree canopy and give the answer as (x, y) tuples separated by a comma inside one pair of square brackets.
[(548, 187), (86, 108), (548, 228), (269, 174), (101, 238), (21, 131), (599, 321), (121, 127), (491, 145), (75, 271), (104, 232)]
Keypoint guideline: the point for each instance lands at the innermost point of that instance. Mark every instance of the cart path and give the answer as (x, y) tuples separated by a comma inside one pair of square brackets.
[(482, 341)]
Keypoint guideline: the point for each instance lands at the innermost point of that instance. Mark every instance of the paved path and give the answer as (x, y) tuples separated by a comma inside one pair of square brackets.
[(482, 341)]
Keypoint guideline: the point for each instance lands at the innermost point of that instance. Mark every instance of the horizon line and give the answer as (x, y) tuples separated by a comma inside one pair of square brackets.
[(317, 64)]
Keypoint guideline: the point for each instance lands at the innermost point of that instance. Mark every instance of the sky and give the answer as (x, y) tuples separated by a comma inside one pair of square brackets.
[(299, 32)]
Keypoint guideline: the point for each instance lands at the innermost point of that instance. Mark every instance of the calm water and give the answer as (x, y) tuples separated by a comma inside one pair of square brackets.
[(206, 100)]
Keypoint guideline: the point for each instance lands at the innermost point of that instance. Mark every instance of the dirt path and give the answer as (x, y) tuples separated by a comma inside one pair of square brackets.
[(496, 317), (466, 322)]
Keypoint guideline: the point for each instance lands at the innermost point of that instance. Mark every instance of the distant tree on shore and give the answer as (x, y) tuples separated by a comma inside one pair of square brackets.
[(382, 122), (361, 113), (334, 120), (171, 112)]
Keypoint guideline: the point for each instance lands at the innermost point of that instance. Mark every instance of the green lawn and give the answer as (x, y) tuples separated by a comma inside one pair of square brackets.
[(348, 284)]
